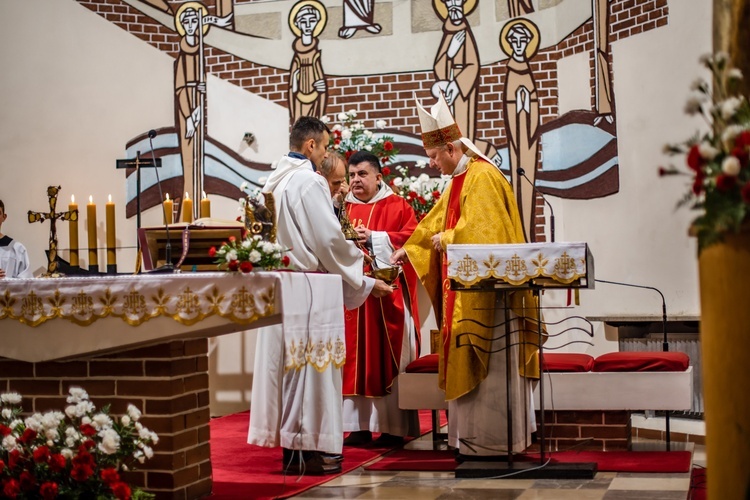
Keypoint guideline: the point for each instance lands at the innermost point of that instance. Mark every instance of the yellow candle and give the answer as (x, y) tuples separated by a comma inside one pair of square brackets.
[(205, 206), (187, 209), (91, 226), (73, 228), (168, 210), (111, 234)]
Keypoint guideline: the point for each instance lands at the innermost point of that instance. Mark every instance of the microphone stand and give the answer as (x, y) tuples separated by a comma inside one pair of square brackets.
[(522, 173), (665, 341), (168, 267)]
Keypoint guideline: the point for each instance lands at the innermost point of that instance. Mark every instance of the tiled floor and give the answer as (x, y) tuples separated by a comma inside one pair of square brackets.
[(363, 484)]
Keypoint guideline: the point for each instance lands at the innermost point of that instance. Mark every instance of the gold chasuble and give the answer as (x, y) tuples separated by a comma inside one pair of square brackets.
[(478, 207)]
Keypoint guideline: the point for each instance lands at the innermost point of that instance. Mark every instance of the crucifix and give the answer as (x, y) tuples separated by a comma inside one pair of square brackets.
[(52, 216)]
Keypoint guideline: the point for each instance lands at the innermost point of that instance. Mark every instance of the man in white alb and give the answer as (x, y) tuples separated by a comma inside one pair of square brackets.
[(14, 260), (299, 407)]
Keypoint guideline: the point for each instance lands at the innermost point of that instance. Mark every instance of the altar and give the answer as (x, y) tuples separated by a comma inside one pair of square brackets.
[(142, 339)]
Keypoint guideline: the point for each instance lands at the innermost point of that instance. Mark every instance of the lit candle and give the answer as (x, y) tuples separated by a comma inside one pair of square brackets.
[(91, 226), (168, 210), (111, 236), (187, 209), (205, 206), (73, 227)]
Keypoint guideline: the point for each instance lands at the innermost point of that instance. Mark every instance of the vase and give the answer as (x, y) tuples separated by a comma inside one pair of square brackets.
[(725, 337)]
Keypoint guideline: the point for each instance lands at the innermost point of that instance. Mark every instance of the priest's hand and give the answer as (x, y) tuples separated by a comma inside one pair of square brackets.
[(380, 289), (399, 257), (436, 242), (363, 234)]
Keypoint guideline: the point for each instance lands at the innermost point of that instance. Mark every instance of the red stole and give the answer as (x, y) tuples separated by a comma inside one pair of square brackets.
[(375, 331), (453, 213)]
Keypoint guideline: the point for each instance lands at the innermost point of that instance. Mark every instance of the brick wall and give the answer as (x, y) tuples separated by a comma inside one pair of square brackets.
[(168, 382), (586, 430)]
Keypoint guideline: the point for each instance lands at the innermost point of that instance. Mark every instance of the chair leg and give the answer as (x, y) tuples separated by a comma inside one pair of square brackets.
[(436, 438)]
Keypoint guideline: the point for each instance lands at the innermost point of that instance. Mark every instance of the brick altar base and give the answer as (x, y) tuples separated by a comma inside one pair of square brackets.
[(168, 382), (586, 430)]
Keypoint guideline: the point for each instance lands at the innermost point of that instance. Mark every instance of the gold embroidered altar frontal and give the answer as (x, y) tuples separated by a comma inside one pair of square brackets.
[(185, 298), (565, 265)]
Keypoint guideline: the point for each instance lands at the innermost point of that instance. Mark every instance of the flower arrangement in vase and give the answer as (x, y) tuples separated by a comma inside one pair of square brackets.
[(718, 161), (78, 453)]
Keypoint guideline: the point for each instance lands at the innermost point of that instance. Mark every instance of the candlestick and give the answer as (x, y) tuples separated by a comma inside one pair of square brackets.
[(73, 227), (111, 235), (91, 227), (205, 206), (168, 210), (187, 209)]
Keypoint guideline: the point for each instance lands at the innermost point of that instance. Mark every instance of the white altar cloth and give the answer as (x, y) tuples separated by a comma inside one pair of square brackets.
[(49, 319)]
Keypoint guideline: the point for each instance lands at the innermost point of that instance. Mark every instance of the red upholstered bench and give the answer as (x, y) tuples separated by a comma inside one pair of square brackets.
[(418, 390), (617, 381)]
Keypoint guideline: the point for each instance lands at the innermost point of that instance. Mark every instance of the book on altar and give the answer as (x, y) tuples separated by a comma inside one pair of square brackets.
[(189, 242)]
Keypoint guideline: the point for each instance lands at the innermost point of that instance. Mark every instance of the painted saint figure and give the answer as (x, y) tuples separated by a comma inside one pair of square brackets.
[(359, 14), (190, 88), (601, 61), (518, 8), (307, 84), (519, 39)]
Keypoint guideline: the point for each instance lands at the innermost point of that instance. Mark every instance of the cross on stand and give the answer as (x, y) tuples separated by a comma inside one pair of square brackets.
[(52, 216)]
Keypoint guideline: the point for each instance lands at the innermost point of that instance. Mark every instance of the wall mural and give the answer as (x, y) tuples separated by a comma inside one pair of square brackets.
[(498, 72)]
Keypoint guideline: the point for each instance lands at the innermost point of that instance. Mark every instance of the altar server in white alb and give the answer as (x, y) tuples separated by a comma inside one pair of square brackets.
[(296, 399), (14, 260)]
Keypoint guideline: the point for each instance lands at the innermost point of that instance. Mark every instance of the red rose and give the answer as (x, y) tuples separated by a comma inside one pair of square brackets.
[(109, 476), (48, 490), (725, 182), (212, 252), (239, 218), (233, 265), (11, 489), (87, 445), (27, 481), (386, 171), (246, 266), (41, 454), (2, 466), (348, 154), (337, 133), (412, 195), (694, 159), (337, 141), (698, 183), (384, 160), (83, 457), (57, 463), (388, 146), (421, 200), (81, 473), (436, 194), (28, 436), (746, 193), (88, 430), (121, 491), (743, 139), (741, 154), (5, 430), (285, 260), (232, 239), (14, 458)]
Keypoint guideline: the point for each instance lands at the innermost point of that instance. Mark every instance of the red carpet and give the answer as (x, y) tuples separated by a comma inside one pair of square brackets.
[(241, 470), (607, 461)]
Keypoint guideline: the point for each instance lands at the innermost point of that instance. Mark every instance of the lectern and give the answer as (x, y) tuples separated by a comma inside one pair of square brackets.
[(504, 269)]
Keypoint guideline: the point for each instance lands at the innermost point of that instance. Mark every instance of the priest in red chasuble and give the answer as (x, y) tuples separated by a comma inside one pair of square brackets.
[(382, 336), (477, 206)]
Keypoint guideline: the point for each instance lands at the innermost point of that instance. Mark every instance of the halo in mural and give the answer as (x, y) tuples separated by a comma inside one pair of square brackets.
[(442, 10), (315, 5), (533, 45), (183, 8)]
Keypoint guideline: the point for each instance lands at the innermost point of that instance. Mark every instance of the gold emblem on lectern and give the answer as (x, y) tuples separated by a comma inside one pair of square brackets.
[(515, 267), (467, 267), (565, 265)]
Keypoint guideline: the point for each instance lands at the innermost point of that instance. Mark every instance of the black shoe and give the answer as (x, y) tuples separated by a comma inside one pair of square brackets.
[(307, 462), (386, 440), (358, 438), (332, 458)]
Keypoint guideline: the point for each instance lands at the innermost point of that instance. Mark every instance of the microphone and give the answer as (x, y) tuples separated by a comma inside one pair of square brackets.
[(665, 342), (522, 173), (168, 267)]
